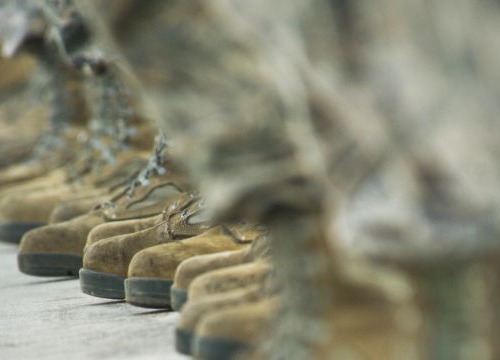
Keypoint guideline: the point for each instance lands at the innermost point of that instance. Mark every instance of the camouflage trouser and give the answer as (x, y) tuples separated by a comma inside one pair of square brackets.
[(283, 110)]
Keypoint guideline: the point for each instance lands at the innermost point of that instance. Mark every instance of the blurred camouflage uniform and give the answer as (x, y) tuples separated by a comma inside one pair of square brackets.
[(285, 111)]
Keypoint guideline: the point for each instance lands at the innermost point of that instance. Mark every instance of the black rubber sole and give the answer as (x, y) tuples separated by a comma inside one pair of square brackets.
[(183, 341), (13, 232), (210, 348), (102, 285), (148, 292), (44, 264), (178, 297)]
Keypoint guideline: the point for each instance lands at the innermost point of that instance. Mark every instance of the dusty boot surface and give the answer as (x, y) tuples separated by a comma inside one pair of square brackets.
[(70, 209), (115, 177), (228, 279), (193, 267), (56, 250), (115, 228), (195, 311), (20, 212), (222, 334), (44, 202), (190, 268)]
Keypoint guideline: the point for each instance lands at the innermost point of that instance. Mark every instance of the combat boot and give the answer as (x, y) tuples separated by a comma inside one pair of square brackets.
[(56, 144), (196, 310), (106, 262), (222, 334), (193, 267), (21, 122), (116, 228), (152, 271), (25, 209), (98, 188), (20, 213), (46, 251), (43, 162), (69, 209), (230, 278)]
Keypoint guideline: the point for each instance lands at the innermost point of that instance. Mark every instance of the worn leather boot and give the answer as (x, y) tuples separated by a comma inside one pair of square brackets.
[(20, 131), (23, 211), (151, 271), (110, 176), (222, 334), (196, 310), (193, 267), (230, 278), (71, 208), (23, 118), (20, 213), (116, 228), (57, 249), (26, 172), (106, 262)]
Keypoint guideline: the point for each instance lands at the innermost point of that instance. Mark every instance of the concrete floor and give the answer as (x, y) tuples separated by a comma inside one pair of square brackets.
[(49, 318)]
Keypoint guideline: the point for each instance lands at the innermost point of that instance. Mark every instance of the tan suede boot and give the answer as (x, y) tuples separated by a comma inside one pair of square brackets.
[(15, 148), (21, 211), (195, 311), (51, 178), (230, 278), (25, 210), (110, 176), (193, 267), (115, 228), (71, 208), (50, 160), (151, 271), (18, 137), (57, 249), (22, 119), (222, 334), (106, 262), (26, 172)]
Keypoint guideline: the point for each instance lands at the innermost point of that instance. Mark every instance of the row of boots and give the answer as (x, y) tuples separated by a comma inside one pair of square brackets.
[(135, 229), (301, 180), (83, 195)]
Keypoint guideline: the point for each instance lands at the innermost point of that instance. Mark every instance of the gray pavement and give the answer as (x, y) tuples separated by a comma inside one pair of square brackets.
[(49, 318)]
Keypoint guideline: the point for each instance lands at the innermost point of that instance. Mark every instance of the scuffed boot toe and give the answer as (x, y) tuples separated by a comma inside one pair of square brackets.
[(39, 256)]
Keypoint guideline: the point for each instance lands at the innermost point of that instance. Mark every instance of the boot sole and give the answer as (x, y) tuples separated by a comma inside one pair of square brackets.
[(13, 232), (43, 264), (148, 292), (178, 297), (101, 284), (212, 348), (183, 341)]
